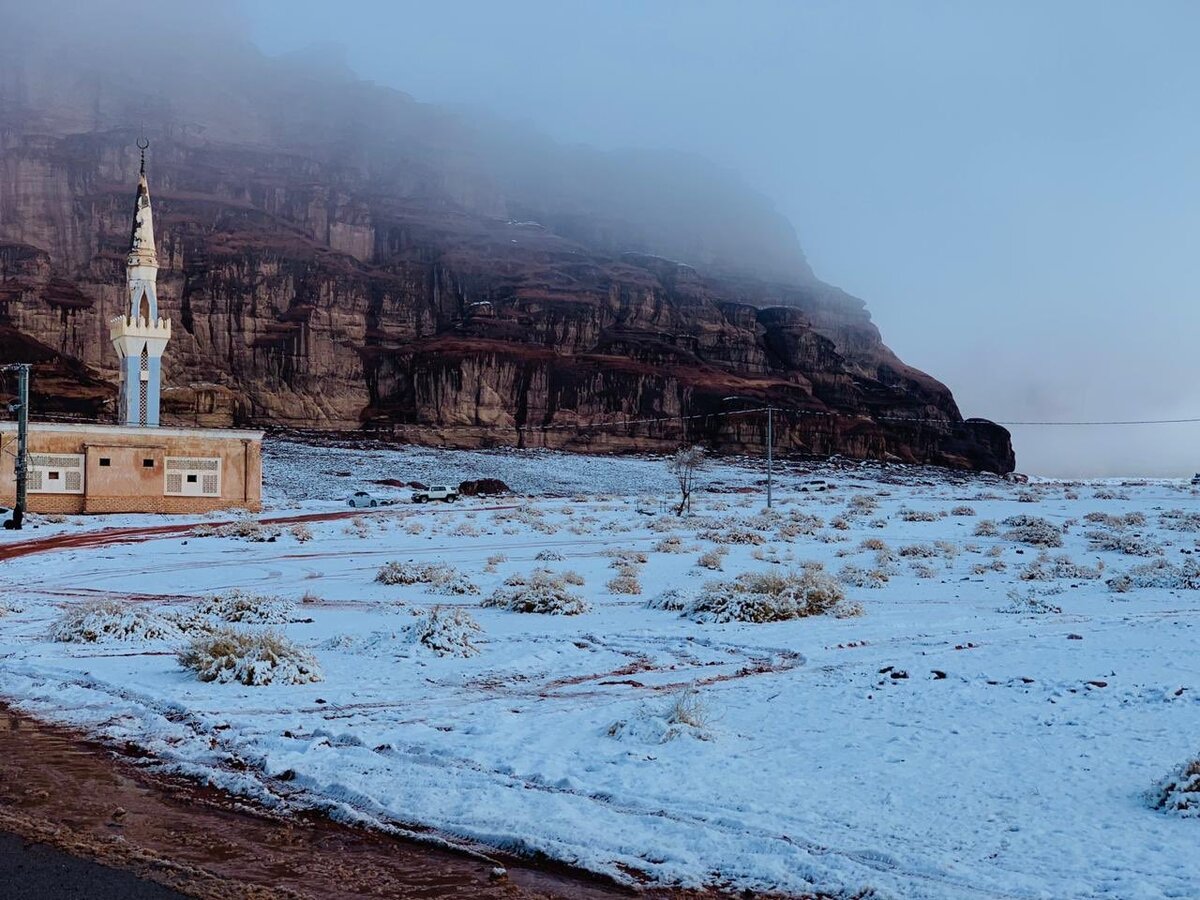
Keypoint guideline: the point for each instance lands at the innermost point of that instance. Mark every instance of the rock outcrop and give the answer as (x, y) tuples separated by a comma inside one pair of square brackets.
[(338, 256)]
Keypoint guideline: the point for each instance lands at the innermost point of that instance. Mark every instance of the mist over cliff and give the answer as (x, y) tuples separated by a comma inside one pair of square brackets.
[(338, 254)]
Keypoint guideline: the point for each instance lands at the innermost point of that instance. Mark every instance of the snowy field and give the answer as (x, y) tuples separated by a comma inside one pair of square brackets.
[(990, 710)]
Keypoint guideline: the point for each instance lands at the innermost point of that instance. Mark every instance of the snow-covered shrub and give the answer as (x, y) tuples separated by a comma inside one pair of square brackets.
[(414, 527), (872, 544), (549, 556), (441, 579), (447, 632), (622, 559), (923, 570), (301, 532), (713, 559), (111, 620), (1179, 792), (767, 597), (243, 606), (670, 544), (1052, 568), (624, 584), (1159, 573), (1129, 520), (249, 657), (245, 528), (672, 599), (985, 528), (733, 536), (570, 576), (1032, 530), (464, 529), (918, 515), (862, 504), (310, 598), (1179, 520), (839, 523), (8, 607), (996, 565), (1029, 603), (857, 576), (1028, 497), (685, 715), (541, 592), (358, 527), (919, 551), (494, 560), (963, 511), (1131, 544)]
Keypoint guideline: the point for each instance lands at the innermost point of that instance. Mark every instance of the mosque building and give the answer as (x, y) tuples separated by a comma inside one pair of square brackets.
[(136, 465)]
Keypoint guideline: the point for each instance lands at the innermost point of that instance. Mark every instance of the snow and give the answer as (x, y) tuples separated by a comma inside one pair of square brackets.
[(999, 721)]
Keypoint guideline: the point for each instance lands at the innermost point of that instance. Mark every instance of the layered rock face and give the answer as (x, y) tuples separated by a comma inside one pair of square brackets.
[(355, 260)]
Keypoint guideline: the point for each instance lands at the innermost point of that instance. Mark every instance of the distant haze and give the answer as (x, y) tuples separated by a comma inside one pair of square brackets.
[(1013, 188)]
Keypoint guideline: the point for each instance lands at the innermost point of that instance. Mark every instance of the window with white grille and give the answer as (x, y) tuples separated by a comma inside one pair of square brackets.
[(192, 476), (55, 473)]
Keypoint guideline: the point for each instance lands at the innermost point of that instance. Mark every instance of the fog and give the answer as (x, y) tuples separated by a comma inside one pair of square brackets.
[(1012, 188)]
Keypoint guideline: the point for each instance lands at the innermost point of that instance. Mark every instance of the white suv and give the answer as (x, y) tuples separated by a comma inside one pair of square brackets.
[(435, 492)]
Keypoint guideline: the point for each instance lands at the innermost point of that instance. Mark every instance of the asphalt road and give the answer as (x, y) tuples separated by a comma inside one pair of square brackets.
[(38, 872)]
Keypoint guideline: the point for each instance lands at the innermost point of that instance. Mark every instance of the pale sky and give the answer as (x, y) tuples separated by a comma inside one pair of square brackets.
[(1012, 187)]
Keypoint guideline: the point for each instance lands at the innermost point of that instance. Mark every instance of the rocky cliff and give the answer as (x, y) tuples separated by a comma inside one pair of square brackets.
[(336, 255)]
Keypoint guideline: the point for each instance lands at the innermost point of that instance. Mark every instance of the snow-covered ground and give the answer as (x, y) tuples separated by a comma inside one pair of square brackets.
[(990, 726)]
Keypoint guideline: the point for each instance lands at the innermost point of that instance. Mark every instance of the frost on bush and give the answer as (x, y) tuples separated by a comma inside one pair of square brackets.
[(1032, 530), (685, 715), (441, 579), (249, 657), (111, 620), (919, 551), (963, 511), (549, 556), (985, 528), (8, 607), (1125, 542), (872, 544), (861, 504), (1158, 573), (541, 592), (857, 576), (1031, 602), (712, 559), (245, 528), (1053, 568), (923, 570), (301, 532), (670, 544), (625, 583), (447, 632), (622, 559), (672, 600), (918, 515), (1179, 792), (996, 565), (1179, 520), (243, 606), (767, 597), (1128, 520), (732, 536)]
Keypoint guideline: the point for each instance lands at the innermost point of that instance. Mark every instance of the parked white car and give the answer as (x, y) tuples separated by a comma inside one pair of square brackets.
[(435, 492), (361, 499)]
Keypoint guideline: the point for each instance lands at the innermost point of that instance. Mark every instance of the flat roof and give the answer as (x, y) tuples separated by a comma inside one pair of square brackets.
[(145, 431)]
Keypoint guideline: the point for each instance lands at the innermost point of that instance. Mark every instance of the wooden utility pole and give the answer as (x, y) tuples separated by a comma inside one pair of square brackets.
[(21, 407)]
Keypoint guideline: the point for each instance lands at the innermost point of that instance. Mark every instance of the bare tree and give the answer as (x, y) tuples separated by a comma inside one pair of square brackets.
[(684, 465)]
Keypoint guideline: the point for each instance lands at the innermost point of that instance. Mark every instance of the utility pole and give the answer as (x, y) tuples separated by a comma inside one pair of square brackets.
[(770, 439), (22, 409)]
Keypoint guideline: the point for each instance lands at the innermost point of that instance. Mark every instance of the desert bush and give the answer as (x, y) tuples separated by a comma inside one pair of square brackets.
[(839, 523), (541, 592), (732, 536), (244, 606), (873, 544), (923, 570), (358, 527), (111, 620), (245, 528), (621, 559), (985, 528), (1028, 603), (493, 561), (687, 707), (624, 584), (995, 552), (918, 515), (919, 551), (856, 576), (712, 559), (1128, 520), (862, 504), (249, 657), (1179, 792), (963, 511), (549, 556), (946, 549), (670, 544), (1032, 530), (310, 597), (1179, 520), (995, 565), (672, 599), (685, 715), (1123, 542), (446, 632), (301, 532), (1052, 568), (767, 597), (414, 527), (8, 607), (1028, 497), (441, 579), (1158, 573)]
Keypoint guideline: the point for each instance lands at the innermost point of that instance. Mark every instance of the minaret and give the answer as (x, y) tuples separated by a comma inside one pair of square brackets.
[(141, 335)]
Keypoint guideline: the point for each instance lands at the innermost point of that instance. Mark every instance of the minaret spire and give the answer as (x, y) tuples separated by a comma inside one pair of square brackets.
[(140, 335)]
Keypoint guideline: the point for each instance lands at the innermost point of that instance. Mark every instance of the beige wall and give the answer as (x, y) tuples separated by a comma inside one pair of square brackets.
[(125, 484)]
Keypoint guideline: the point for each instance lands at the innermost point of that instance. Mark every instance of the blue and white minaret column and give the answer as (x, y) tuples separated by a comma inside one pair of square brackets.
[(140, 336)]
